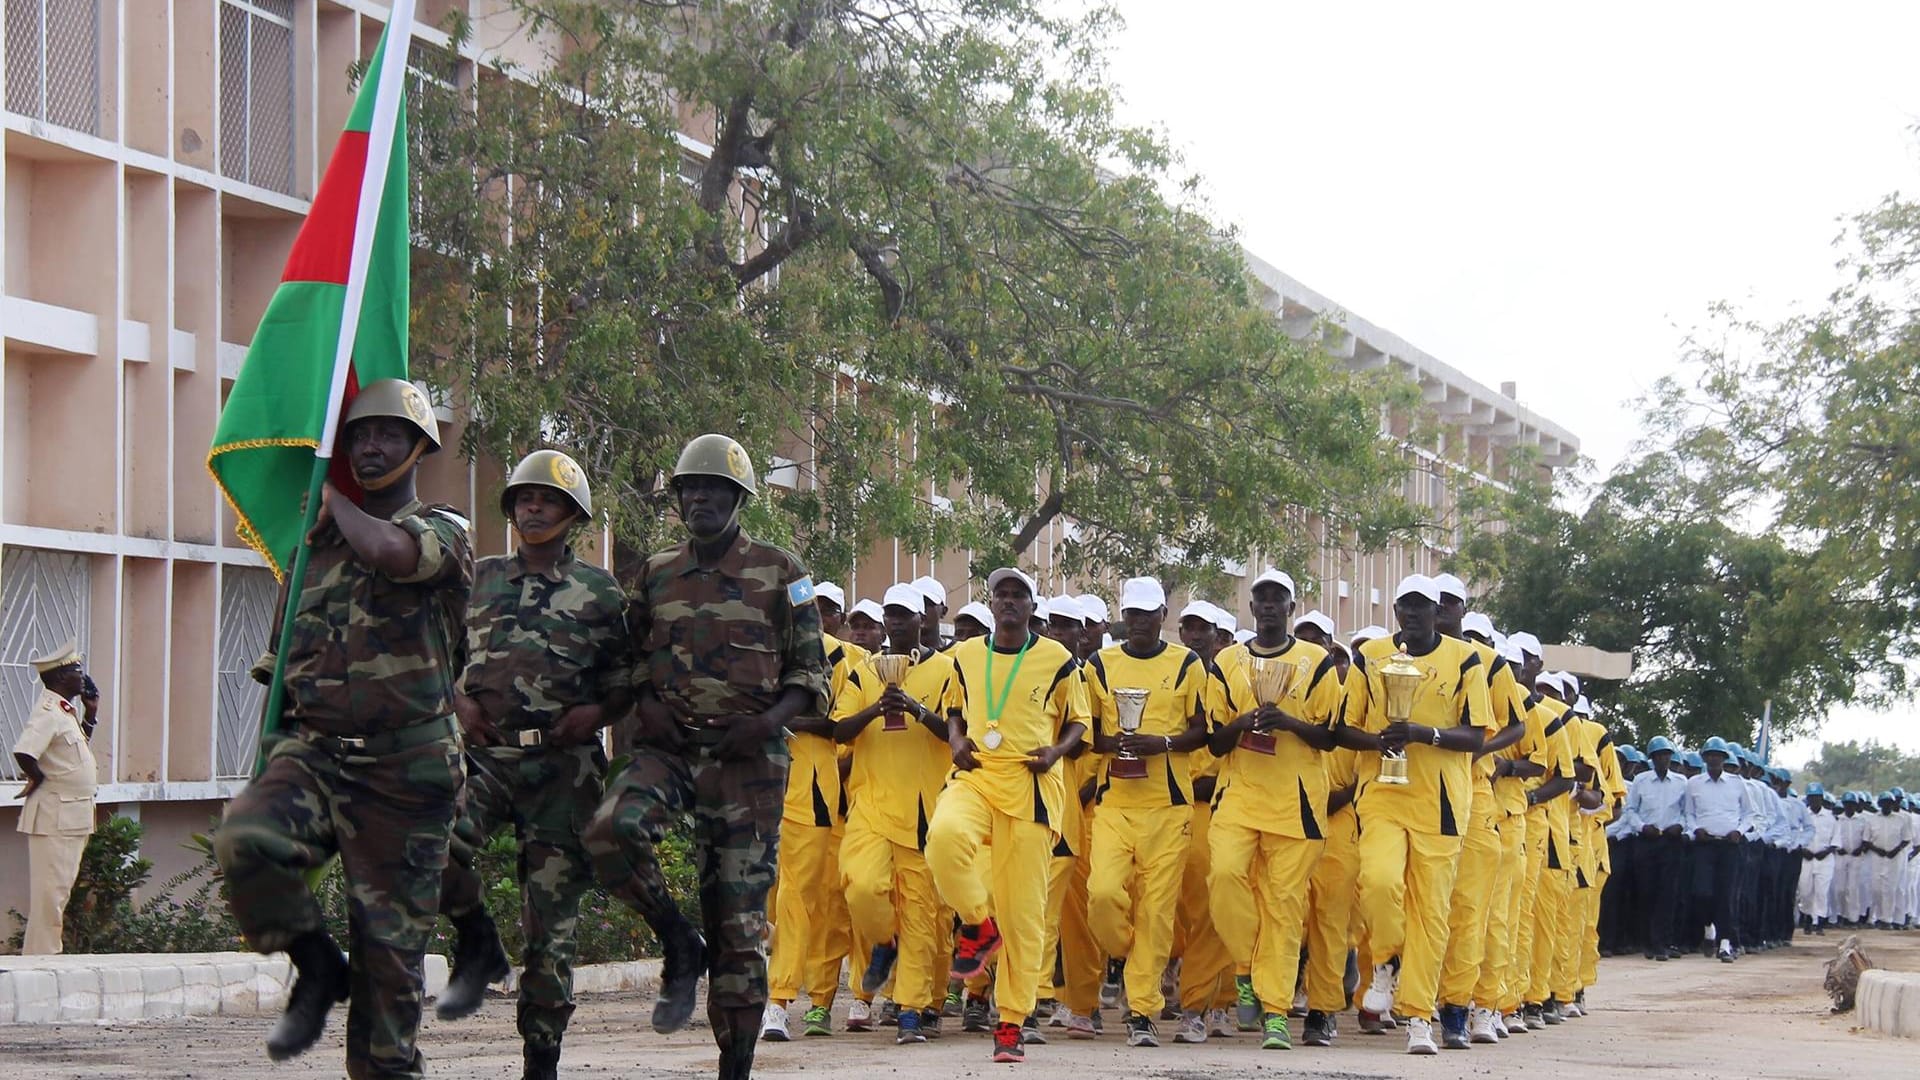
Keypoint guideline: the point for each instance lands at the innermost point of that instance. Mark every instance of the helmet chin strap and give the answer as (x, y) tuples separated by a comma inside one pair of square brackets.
[(732, 519), (541, 536), (382, 483)]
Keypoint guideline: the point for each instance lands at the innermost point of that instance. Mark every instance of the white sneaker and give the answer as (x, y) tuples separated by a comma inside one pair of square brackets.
[(1500, 1025), (773, 1024), (1480, 1027), (1061, 1014), (859, 1016), (1572, 1008), (1192, 1029), (1516, 1023), (1379, 996), (1220, 1024), (1420, 1036)]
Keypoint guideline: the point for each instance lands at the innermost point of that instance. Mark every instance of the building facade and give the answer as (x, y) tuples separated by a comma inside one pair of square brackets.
[(159, 158)]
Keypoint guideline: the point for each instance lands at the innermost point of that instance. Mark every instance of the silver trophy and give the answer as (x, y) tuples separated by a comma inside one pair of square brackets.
[(1130, 703)]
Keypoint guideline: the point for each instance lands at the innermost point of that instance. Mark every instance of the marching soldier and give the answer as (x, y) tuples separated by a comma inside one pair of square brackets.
[(548, 665), (368, 764), (56, 809), (727, 635)]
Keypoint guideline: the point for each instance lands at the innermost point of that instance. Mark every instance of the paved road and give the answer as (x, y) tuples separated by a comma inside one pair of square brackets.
[(1763, 1017)]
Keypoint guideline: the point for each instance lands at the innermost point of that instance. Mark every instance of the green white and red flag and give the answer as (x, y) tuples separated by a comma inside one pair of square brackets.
[(337, 322)]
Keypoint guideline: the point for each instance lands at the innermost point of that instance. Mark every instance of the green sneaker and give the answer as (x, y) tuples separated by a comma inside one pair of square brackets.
[(1276, 1038), (818, 1021), (1246, 1007)]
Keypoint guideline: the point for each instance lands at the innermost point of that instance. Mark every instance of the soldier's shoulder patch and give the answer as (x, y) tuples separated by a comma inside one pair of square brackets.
[(800, 592), (68, 705)]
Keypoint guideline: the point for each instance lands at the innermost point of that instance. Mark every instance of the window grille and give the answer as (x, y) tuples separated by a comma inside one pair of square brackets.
[(247, 598), (53, 61), (45, 601), (256, 92)]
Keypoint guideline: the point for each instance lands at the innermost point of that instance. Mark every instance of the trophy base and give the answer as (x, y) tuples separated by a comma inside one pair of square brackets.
[(1259, 742), (894, 723), (1127, 769), (1397, 781)]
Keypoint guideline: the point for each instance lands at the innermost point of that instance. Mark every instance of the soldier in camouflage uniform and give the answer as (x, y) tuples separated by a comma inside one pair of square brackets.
[(728, 643), (367, 762), (548, 665)]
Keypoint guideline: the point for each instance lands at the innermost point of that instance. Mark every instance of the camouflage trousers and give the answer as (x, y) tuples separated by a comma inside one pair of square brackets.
[(735, 808), (388, 818), (548, 796)]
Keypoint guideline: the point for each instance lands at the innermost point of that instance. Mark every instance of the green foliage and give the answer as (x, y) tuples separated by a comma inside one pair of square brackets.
[(923, 259), (110, 870), (1870, 766)]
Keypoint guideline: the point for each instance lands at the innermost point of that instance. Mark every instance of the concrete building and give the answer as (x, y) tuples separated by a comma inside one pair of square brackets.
[(159, 155)]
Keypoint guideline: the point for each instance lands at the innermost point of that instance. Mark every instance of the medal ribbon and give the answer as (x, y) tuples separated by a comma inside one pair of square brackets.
[(995, 709)]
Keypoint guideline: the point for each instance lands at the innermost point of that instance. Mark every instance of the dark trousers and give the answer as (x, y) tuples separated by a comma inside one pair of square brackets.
[(1661, 866), (1619, 931), (1719, 872)]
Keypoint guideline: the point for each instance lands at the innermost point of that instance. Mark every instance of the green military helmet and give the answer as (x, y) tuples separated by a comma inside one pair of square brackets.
[(549, 468), (400, 399), (717, 455)]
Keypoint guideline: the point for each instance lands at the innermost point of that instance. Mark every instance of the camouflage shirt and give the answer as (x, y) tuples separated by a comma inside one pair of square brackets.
[(539, 643), (372, 653), (728, 641)]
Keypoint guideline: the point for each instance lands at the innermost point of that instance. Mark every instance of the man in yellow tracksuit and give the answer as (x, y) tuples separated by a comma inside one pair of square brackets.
[(1607, 782), (900, 760), (1478, 882), (1410, 834), (1021, 710), (1558, 865), (804, 930), (1271, 804), (1206, 968), (1141, 830), (1516, 768)]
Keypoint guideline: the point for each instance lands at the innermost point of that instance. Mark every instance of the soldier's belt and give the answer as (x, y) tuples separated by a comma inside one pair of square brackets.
[(527, 739), (384, 742)]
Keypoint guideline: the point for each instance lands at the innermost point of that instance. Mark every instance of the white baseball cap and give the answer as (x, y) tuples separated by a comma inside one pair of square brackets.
[(1198, 609), (1367, 633), (1095, 608), (1042, 610), (1582, 707), (1014, 573), (831, 593), (1525, 642), (1318, 618), (1512, 653), (1065, 607), (1270, 576), (1571, 681), (1243, 636), (931, 589), (978, 612), (1476, 623), (1142, 594), (1224, 620), (1417, 585), (870, 609), (1551, 678), (905, 596), (1450, 585)]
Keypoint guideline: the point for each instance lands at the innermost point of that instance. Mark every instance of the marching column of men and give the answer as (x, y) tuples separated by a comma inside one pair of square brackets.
[(1045, 818)]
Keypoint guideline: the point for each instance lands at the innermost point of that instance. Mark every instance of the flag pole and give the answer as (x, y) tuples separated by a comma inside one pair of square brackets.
[(387, 103)]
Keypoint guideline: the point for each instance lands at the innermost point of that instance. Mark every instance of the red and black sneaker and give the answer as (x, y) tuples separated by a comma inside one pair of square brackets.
[(1006, 1044), (975, 947)]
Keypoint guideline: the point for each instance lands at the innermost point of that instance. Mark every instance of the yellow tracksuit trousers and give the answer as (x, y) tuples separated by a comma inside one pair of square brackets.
[(890, 897), (1550, 913), (1590, 930), (1521, 987), (1206, 968), (1081, 959), (1013, 893), (1263, 928), (1406, 888), (804, 920), (1492, 993), (1330, 915), (1468, 914), (1133, 886)]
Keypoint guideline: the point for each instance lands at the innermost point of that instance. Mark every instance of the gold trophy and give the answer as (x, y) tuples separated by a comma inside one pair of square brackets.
[(892, 668), (1130, 702), (1273, 680), (1401, 677)]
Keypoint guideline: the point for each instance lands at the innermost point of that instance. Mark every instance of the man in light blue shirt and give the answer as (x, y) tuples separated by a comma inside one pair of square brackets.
[(1719, 815), (1655, 803)]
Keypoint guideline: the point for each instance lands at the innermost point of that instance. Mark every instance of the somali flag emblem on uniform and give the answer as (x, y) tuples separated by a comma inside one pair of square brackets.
[(800, 592)]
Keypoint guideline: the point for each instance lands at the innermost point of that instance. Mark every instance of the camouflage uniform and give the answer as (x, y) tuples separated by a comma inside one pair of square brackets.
[(538, 644), (367, 767), (714, 644)]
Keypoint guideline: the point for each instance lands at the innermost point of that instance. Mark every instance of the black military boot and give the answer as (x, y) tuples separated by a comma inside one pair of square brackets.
[(541, 1062), (321, 979), (738, 1033), (479, 960), (683, 959)]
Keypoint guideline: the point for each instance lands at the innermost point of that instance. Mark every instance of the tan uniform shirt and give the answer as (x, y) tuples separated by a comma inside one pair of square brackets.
[(63, 803)]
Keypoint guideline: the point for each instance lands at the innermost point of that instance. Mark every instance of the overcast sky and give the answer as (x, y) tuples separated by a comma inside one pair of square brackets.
[(1540, 192)]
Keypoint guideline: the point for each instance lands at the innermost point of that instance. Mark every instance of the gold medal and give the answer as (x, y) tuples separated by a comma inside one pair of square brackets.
[(991, 740)]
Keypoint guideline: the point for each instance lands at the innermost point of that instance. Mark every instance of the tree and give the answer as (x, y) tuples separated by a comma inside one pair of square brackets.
[(1869, 766), (921, 251)]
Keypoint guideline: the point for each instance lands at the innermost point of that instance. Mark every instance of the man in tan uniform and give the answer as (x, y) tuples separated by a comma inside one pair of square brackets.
[(58, 812)]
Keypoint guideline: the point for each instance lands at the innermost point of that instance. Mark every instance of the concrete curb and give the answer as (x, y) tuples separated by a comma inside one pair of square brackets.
[(152, 986), (1889, 1002)]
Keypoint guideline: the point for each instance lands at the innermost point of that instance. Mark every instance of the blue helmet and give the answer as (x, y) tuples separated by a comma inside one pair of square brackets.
[(1897, 793), (1717, 745), (1814, 788), (1659, 743), (1695, 761), (1792, 794)]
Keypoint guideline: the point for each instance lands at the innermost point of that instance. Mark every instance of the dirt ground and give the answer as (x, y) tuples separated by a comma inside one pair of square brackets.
[(1763, 1017)]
